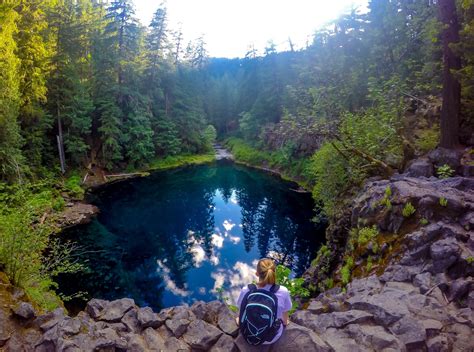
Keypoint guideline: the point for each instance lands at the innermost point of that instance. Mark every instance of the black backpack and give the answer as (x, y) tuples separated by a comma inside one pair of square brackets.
[(258, 321)]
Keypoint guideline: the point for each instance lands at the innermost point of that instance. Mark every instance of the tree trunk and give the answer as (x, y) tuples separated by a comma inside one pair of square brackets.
[(450, 110)]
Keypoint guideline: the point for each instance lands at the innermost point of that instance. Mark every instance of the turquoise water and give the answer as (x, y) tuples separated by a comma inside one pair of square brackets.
[(183, 235)]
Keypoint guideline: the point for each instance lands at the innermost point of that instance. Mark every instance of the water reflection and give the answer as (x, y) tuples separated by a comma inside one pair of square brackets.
[(182, 235)]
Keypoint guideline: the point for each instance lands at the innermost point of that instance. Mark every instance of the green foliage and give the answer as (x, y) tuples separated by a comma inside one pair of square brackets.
[(330, 172), (367, 234), (170, 162), (408, 210), (443, 202), (294, 286), (30, 257), (385, 201), (346, 270), (369, 265), (73, 186), (424, 222), (428, 139), (470, 260), (444, 171)]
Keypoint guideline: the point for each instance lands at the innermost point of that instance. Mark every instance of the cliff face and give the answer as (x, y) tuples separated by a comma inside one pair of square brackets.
[(412, 285)]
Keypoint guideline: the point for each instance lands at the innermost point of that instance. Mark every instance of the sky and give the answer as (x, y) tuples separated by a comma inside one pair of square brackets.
[(231, 26)]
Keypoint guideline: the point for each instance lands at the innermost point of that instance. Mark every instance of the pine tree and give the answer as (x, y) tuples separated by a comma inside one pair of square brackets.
[(11, 159)]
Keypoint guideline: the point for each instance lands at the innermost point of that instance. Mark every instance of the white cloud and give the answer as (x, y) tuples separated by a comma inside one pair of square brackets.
[(234, 239), (170, 284), (228, 225), (217, 240)]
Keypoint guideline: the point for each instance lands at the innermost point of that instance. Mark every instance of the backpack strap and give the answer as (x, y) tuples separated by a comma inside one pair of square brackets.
[(252, 287), (274, 288)]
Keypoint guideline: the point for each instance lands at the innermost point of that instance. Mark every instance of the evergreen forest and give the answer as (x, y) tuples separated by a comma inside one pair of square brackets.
[(85, 86)]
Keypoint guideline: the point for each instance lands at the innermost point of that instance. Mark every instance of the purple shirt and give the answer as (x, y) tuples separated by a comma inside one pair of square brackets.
[(284, 305)]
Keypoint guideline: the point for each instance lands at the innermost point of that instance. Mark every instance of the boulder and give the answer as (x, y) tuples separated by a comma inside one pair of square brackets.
[(177, 326), (147, 318), (296, 338), (173, 344), (130, 320), (438, 344), (373, 337), (458, 289), (444, 253), (316, 307), (201, 335), (420, 168), (386, 308), (411, 332), (95, 307), (423, 281), (136, 343), (224, 344), (442, 156), (115, 310), (108, 339), (226, 322), (69, 327), (153, 340), (52, 319), (25, 311), (432, 327)]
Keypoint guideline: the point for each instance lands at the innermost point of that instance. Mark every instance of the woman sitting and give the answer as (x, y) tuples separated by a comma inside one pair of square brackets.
[(263, 307)]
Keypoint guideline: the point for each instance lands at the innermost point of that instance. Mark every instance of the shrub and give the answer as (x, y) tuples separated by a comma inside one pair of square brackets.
[(428, 139), (424, 221), (445, 171), (73, 186), (369, 264), (443, 202), (408, 210), (294, 286), (346, 270), (330, 173), (367, 234)]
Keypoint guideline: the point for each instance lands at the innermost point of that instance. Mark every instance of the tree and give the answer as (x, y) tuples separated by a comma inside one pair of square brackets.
[(10, 140), (451, 86)]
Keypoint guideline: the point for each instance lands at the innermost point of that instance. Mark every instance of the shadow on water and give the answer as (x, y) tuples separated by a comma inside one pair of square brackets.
[(181, 235)]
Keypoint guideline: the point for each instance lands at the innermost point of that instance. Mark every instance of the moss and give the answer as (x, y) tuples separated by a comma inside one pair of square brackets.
[(408, 210)]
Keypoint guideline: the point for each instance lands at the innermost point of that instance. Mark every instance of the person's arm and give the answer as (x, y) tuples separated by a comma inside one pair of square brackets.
[(285, 318)]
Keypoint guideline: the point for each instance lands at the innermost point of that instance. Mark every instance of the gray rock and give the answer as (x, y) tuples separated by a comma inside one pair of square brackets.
[(108, 339), (53, 319), (130, 320), (226, 322), (438, 344), (296, 338), (444, 253), (374, 337), (396, 273), (470, 300), (340, 341), (321, 322), (423, 281), (153, 340), (386, 308), (115, 310), (442, 156), (199, 308), (173, 344), (201, 335), (95, 307), (432, 327), (410, 332), (243, 346), (136, 343), (316, 307), (458, 289), (177, 326), (224, 344), (420, 168), (25, 311), (147, 318), (69, 327)]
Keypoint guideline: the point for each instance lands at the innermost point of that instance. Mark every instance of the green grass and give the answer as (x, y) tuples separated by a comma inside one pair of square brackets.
[(290, 168), (171, 162)]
